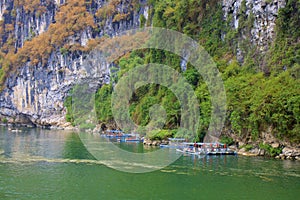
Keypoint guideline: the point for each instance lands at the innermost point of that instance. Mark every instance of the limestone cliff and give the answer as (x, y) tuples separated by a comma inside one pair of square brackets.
[(261, 18), (35, 93)]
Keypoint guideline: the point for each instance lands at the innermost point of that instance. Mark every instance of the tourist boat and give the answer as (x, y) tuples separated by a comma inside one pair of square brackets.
[(120, 136), (191, 152), (133, 139), (227, 152), (116, 134), (206, 149)]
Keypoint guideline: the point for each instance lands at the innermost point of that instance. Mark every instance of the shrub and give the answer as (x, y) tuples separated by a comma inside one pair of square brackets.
[(226, 140), (270, 150), (161, 135), (4, 120)]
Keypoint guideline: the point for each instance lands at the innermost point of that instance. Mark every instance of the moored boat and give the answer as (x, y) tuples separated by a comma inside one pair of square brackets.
[(133, 139), (119, 136), (206, 149)]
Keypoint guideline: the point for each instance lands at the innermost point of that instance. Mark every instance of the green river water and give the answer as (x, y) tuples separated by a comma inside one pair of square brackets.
[(51, 164)]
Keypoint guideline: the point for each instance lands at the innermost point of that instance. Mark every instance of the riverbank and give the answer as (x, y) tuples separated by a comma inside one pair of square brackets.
[(269, 147), (275, 150), (66, 126), (287, 153), (265, 145)]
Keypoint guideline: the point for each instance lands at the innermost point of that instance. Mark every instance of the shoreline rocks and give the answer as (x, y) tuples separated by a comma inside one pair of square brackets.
[(148, 142), (265, 145), (289, 153)]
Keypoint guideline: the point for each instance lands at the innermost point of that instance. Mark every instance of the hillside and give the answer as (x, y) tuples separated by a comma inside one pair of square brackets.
[(255, 45)]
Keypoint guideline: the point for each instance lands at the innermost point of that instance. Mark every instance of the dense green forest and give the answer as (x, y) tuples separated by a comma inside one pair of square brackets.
[(263, 92)]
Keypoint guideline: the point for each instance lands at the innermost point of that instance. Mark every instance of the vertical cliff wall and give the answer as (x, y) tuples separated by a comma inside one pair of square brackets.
[(255, 20), (35, 92)]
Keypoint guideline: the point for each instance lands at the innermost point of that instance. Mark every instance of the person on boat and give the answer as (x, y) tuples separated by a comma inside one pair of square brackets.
[(218, 147), (195, 147)]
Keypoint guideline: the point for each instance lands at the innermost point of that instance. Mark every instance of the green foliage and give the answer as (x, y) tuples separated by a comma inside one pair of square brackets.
[(276, 106), (68, 105), (288, 19), (226, 140), (2, 75), (4, 120), (269, 150), (84, 126), (203, 96), (285, 51), (161, 135), (127, 64), (256, 103), (142, 20), (81, 107), (192, 76), (103, 103), (64, 51), (141, 111), (247, 147)]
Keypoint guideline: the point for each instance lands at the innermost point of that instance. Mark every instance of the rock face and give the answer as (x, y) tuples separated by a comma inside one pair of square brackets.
[(37, 93), (27, 22), (290, 153), (262, 15), (149, 142)]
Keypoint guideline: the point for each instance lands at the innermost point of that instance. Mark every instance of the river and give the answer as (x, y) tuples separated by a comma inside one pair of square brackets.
[(52, 164)]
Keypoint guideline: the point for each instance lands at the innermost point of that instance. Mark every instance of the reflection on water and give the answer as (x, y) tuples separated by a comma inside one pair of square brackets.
[(74, 149), (52, 164), (32, 142)]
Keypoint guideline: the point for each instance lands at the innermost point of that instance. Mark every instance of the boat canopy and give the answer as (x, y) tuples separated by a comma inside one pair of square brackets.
[(201, 144), (114, 131), (176, 139)]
